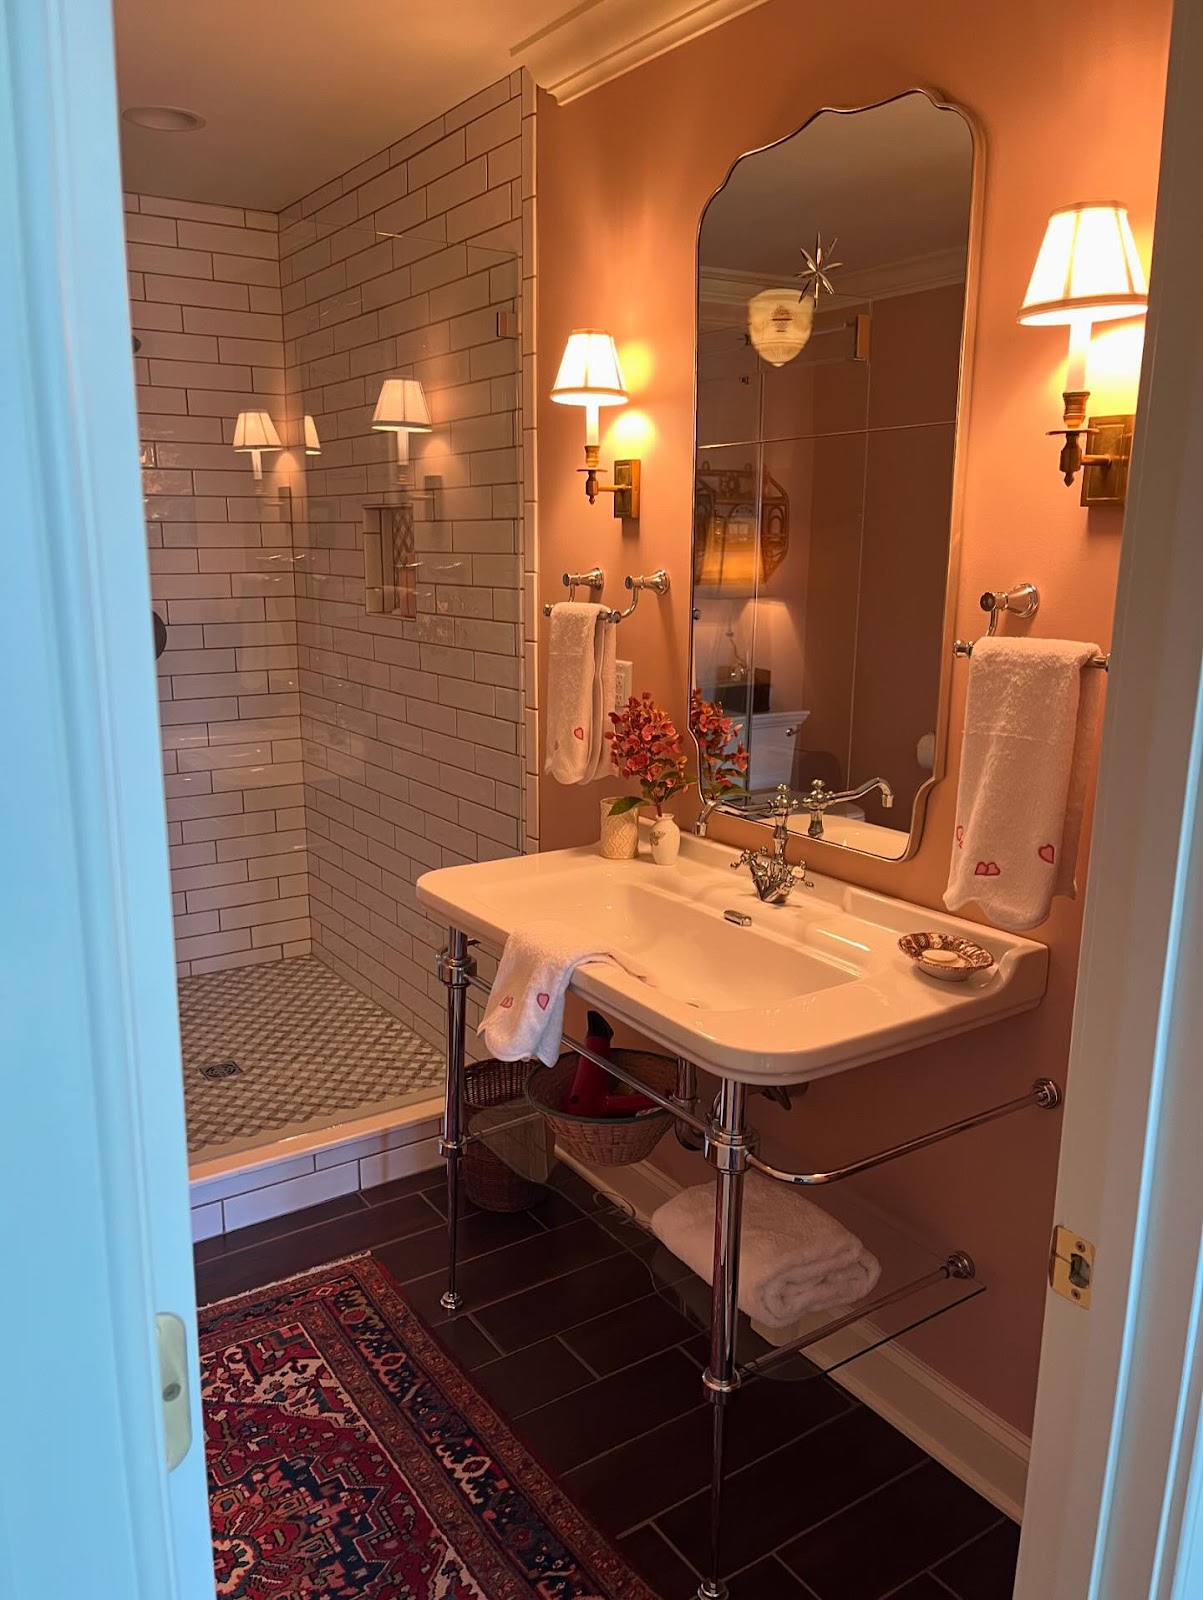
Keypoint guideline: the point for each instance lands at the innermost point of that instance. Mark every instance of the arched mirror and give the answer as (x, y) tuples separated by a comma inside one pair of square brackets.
[(832, 273)]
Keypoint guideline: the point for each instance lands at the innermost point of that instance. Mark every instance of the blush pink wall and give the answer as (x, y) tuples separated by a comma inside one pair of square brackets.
[(1066, 112)]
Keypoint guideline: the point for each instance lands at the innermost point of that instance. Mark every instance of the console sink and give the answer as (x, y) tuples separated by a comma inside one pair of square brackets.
[(805, 990)]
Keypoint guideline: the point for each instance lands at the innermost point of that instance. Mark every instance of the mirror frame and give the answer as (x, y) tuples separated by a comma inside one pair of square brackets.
[(914, 837)]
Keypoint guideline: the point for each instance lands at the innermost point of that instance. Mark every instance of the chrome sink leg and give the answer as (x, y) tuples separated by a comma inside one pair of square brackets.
[(686, 1096), (726, 1150), (455, 967)]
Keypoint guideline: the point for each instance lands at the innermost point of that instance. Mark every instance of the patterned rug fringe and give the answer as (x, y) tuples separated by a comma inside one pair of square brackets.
[(249, 1295)]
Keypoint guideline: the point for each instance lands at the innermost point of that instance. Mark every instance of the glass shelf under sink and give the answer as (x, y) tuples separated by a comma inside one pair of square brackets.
[(906, 1264)]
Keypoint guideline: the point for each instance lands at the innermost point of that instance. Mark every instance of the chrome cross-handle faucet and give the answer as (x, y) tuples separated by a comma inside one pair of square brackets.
[(819, 797), (772, 874)]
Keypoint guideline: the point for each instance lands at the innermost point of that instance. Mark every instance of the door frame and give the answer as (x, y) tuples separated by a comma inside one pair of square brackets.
[(1117, 1410), (93, 1184)]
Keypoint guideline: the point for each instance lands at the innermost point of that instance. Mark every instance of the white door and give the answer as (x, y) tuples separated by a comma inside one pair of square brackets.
[(1110, 1501), (93, 1175)]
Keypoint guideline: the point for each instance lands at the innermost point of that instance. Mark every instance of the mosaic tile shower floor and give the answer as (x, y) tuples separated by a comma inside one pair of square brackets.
[(311, 1051)]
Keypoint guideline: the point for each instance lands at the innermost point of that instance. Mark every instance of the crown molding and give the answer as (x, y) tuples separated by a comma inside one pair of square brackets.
[(883, 282), (597, 40)]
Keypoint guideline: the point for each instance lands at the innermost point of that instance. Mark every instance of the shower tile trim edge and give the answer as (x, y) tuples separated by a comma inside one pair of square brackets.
[(292, 1173)]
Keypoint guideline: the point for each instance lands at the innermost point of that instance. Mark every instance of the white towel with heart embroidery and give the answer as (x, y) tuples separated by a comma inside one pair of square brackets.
[(525, 1013), (580, 691), (1029, 739)]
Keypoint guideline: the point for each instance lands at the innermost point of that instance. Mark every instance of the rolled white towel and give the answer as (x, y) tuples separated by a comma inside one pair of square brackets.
[(795, 1258)]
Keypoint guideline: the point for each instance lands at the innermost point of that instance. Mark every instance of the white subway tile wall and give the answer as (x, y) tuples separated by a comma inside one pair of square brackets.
[(321, 755), (411, 727), (205, 304)]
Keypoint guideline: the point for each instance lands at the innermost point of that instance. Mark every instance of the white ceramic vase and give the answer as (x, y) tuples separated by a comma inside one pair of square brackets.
[(666, 841), (619, 834)]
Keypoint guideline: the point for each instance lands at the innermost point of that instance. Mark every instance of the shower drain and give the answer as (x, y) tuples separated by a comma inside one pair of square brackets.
[(217, 1070)]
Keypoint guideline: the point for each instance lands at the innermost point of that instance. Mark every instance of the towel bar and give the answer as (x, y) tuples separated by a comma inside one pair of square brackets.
[(595, 578), (1021, 601), (957, 1265), (964, 647), (1044, 1093)]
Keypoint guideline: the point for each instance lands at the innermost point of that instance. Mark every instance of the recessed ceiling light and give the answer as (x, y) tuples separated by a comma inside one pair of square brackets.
[(164, 119)]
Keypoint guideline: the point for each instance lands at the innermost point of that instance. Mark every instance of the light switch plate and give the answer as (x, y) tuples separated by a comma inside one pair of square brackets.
[(624, 681)]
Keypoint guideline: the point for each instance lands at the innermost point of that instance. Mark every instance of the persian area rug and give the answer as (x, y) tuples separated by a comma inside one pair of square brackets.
[(349, 1455)]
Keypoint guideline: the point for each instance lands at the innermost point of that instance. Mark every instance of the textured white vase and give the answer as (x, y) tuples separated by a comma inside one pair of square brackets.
[(619, 834), (666, 841)]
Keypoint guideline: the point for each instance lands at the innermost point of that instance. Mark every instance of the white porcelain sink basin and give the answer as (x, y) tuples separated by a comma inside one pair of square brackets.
[(808, 989)]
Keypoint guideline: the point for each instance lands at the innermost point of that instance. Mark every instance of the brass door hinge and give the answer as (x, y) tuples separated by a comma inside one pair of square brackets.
[(1071, 1265)]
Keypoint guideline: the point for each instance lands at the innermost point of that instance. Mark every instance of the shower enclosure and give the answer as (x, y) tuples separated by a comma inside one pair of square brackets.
[(341, 689)]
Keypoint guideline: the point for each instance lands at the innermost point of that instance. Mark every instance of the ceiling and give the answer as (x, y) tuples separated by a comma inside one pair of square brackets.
[(294, 92), (892, 184)]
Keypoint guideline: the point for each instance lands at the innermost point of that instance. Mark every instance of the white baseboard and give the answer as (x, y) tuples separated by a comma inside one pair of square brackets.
[(951, 1426)]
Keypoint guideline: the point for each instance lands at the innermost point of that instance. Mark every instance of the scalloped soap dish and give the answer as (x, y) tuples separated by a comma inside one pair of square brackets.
[(941, 955)]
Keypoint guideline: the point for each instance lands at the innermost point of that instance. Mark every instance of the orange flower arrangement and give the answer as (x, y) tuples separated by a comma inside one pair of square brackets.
[(646, 746)]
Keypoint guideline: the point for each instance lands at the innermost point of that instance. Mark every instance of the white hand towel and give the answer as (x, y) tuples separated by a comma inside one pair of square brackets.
[(525, 1013), (1030, 722), (794, 1257), (605, 688), (575, 650)]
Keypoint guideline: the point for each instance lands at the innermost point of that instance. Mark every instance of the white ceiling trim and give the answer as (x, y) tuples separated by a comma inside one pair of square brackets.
[(882, 282), (598, 40)]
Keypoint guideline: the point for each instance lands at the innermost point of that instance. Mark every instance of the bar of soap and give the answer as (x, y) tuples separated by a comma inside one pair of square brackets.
[(940, 958)]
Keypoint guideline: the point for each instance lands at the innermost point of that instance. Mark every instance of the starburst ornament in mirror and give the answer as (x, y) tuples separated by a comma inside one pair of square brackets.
[(814, 275)]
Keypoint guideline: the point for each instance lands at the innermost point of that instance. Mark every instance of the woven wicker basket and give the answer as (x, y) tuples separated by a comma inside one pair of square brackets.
[(489, 1182), (604, 1141)]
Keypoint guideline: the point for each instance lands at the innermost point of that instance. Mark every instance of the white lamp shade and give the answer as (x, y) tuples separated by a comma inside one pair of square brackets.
[(1088, 268), (313, 445), (255, 430), (402, 407), (589, 372)]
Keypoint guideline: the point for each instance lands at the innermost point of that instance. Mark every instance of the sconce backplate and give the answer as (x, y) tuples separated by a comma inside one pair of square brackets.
[(626, 489), (1105, 483)]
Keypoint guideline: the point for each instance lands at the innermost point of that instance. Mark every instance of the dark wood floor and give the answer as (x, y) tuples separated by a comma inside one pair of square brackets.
[(568, 1336)]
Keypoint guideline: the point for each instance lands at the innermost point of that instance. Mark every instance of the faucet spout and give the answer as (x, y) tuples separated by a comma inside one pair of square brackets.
[(702, 824), (818, 798)]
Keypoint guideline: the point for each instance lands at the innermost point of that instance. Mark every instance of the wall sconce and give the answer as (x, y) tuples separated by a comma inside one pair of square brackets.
[(1088, 271), (255, 432), (590, 376), (402, 409), (313, 445)]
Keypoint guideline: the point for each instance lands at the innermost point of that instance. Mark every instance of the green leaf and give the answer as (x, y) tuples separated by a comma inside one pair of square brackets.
[(627, 803)]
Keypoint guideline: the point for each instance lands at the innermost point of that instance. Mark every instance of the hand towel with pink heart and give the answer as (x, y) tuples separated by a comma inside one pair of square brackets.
[(1030, 722), (581, 688), (525, 1013)]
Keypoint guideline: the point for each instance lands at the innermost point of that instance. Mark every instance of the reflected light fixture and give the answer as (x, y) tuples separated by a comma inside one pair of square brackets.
[(1088, 271), (779, 324), (402, 409), (590, 376), (255, 432), (313, 445)]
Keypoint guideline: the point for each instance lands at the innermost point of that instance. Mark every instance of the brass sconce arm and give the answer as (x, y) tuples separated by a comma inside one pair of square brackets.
[(1107, 452), (625, 487)]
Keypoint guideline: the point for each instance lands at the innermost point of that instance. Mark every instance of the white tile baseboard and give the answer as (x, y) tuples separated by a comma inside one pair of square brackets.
[(261, 1189), (982, 1450)]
